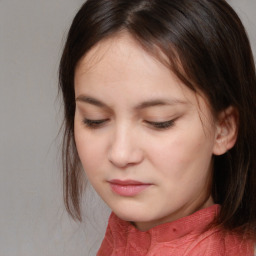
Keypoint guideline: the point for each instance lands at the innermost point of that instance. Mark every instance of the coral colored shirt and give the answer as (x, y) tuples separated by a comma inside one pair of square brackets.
[(187, 236)]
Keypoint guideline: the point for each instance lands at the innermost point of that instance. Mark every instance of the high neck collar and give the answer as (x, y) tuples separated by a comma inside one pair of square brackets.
[(192, 235), (193, 224)]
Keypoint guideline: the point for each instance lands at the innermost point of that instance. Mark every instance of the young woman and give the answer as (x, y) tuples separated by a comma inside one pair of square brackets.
[(159, 99)]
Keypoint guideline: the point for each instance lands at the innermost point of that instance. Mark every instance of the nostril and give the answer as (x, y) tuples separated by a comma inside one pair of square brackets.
[(124, 149), (126, 157), (119, 156)]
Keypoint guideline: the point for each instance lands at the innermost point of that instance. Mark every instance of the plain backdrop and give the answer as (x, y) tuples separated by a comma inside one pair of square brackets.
[(33, 221)]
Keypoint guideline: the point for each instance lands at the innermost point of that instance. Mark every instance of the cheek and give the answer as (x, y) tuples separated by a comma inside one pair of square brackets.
[(174, 149), (182, 153), (90, 150)]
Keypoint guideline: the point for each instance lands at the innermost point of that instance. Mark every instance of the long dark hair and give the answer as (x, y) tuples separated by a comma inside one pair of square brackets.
[(208, 49)]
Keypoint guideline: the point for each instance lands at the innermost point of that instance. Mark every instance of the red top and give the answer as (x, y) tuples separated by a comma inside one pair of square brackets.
[(187, 236)]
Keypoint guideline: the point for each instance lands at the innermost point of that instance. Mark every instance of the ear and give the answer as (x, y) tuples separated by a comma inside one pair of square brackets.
[(226, 131)]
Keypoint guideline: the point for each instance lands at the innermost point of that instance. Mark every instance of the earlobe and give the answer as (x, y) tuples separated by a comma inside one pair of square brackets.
[(226, 131)]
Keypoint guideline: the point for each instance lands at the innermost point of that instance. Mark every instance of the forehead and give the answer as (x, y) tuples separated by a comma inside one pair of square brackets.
[(120, 63), (122, 49), (119, 59)]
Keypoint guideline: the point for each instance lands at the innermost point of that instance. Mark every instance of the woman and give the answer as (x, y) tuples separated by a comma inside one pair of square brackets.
[(158, 99)]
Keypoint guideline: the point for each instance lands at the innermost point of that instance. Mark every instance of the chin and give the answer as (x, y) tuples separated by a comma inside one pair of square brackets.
[(130, 213), (133, 215)]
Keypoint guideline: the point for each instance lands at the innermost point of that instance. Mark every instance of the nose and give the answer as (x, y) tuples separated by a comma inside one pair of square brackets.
[(125, 148)]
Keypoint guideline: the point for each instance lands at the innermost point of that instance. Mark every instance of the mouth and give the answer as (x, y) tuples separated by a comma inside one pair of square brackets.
[(128, 187)]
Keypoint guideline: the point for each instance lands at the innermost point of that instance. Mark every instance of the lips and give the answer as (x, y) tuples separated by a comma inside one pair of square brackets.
[(128, 187)]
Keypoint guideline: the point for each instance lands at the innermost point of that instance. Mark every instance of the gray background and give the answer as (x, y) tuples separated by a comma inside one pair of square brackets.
[(33, 221)]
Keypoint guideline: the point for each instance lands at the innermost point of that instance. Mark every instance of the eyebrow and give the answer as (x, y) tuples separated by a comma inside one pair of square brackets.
[(91, 101), (159, 102), (143, 105)]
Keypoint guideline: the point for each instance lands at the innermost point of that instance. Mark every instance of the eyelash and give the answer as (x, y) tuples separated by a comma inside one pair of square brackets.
[(161, 125), (94, 124)]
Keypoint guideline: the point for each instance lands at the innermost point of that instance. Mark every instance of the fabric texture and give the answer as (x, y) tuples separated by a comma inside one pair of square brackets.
[(188, 236)]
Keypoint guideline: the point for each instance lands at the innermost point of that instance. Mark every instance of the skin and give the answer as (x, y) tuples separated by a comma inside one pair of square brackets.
[(118, 82)]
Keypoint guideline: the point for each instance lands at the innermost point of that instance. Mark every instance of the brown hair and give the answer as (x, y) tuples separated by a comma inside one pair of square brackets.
[(207, 39)]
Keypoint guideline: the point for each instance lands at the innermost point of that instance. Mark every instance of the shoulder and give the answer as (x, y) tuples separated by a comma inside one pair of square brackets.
[(219, 242)]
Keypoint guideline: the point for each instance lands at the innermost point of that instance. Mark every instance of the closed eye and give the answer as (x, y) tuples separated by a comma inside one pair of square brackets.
[(93, 124), (161, 125)]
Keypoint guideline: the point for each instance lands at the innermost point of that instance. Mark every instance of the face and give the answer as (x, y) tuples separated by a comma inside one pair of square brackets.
[(144, 139)]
